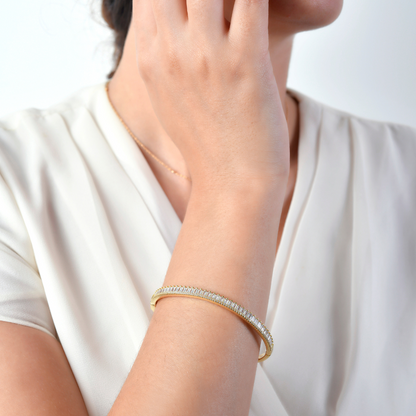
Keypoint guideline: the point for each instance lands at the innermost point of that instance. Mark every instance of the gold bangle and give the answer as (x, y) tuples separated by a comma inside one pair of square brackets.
[(237, 309)]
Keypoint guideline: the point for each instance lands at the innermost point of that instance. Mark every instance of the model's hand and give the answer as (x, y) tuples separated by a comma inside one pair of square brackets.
[(212, 86)]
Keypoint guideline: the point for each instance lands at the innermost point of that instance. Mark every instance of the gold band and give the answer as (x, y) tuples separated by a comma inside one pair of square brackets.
[(237, 309)]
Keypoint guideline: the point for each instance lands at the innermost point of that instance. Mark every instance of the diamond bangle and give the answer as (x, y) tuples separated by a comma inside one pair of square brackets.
[(234, 307)]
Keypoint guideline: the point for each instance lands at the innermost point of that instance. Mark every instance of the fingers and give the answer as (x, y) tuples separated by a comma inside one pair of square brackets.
[(248, 27), (170, 15), (250, 22), (206, 16), (144, 22)]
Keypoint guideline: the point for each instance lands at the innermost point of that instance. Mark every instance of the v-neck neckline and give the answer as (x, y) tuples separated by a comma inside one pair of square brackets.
[(138, 170), (310, 113), (165, 216)]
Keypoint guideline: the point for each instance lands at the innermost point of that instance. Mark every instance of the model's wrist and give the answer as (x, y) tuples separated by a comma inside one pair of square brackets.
[(253, 188), (246, 203)]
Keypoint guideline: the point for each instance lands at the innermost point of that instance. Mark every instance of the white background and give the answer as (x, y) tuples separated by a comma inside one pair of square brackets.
[(364, 63)]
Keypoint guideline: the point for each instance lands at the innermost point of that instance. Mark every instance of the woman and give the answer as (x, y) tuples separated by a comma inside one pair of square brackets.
[(92, 225)]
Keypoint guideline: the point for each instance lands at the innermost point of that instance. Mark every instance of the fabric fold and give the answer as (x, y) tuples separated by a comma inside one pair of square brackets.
[(85, 211)]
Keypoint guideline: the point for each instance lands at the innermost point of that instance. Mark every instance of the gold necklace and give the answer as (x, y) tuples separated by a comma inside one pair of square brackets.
[(140, 143), (144, 147)]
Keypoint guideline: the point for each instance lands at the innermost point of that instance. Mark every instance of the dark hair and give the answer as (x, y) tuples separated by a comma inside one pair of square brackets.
[(117, 14)]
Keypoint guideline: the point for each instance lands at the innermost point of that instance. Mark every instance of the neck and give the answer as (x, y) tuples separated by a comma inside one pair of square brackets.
[(129, 96)]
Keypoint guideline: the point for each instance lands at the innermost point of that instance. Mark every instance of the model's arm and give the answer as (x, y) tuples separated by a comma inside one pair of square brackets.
[(35, 377), (198, 358), (214, 91)]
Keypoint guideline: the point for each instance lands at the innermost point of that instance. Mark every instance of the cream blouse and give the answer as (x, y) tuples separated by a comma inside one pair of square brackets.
[(86, 236)]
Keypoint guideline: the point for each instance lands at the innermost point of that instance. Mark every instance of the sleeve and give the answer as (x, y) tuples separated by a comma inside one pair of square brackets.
[(22, 296)]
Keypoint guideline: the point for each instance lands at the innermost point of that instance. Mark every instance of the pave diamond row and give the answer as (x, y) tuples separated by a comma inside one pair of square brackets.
[(214, 297)]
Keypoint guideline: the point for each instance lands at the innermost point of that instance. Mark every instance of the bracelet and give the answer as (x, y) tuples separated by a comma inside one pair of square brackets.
[(221, 301)]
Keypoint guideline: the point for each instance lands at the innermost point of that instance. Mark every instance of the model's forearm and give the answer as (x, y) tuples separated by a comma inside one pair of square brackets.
[(227, 243), (198, 358)]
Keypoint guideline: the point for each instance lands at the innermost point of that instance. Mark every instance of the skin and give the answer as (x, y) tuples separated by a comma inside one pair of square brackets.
[(129, 95), (231, 137)]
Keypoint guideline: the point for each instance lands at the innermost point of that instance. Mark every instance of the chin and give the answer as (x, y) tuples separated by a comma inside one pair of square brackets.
[(293, 16), (301, 15)]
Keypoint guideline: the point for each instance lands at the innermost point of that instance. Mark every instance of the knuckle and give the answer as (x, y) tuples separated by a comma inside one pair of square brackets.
[(237, 65), (246, 58), (202, 63), (171, 58), (158, 7), (146, 67)]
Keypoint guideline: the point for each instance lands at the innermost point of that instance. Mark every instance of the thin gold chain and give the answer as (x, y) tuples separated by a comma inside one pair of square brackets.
[(144, 147), (141, 144)]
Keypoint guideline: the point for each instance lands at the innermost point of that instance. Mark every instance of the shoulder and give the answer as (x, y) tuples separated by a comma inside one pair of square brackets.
[(375, 131), (29, 121), (360, 128), (31, 117), (375, 158), (385, 148), (377, 142), (32, 136)]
